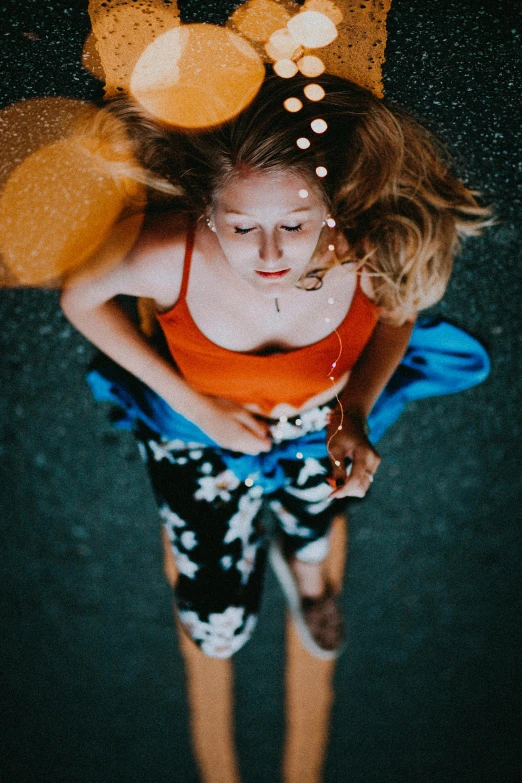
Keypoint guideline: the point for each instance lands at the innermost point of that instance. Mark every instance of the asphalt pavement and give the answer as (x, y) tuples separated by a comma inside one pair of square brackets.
[(429, 688)]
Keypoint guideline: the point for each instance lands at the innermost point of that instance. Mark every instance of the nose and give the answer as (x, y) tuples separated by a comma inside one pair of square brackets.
[(270, 251)]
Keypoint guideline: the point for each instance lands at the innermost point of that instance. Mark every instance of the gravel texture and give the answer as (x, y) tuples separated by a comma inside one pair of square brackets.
[(428, 691)]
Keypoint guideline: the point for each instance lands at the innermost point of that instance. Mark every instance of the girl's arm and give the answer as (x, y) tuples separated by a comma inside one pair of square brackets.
[(90, 306), (368, 378), (375, 366)]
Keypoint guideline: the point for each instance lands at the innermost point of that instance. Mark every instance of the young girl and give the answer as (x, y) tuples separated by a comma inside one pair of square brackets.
[(286, 276)]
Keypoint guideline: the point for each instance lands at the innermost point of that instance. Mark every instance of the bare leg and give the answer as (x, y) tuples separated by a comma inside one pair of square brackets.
[(309, 693), (210, 695)]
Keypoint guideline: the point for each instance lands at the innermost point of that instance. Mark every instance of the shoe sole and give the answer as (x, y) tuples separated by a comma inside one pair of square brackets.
[(286, 579)]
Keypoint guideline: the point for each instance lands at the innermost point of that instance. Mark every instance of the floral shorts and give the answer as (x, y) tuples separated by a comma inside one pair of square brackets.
[(212, 519)]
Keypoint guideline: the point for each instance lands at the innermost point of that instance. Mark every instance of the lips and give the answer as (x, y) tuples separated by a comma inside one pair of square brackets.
[(273, 275)]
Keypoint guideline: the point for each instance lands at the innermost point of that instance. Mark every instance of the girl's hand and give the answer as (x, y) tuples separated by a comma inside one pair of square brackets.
[(233, 427), (351, 442)]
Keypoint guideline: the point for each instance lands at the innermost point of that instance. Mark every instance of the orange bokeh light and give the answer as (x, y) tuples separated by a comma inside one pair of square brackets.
[(28, 125), (326, 7), (258, 19), (56, 209), (65, 178), (113, 249), (281, 46), (312, 29), (311, 66), (285, 68), (197, 76)]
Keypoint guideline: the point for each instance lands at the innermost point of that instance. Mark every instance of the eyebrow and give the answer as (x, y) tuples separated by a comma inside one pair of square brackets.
[(245, 214)]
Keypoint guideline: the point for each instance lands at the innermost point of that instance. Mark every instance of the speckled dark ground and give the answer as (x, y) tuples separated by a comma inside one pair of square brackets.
[(429, 689)]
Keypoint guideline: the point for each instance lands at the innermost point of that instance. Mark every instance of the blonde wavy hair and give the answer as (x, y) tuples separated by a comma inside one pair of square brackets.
[(389, 184)]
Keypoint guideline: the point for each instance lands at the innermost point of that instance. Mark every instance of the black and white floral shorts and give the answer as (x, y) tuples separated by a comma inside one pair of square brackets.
[(213, 521)]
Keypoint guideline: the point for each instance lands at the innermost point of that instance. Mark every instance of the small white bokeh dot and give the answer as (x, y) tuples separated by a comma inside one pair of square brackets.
[(314, 92), (318, 126), (293, 104)]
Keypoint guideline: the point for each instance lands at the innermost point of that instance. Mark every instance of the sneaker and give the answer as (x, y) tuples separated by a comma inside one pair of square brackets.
[(312, 616)]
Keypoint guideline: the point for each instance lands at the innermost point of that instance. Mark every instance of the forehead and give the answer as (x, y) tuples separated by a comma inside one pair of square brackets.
[(268, 192)]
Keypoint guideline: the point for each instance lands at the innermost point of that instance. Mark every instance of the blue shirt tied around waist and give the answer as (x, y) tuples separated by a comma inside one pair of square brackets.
[(440, 359)]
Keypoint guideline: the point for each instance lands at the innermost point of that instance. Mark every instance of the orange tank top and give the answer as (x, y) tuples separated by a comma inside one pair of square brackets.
[(291, 377)]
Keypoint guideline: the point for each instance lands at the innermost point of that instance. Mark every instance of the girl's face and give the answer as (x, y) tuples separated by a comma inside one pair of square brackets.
[(268, 226)]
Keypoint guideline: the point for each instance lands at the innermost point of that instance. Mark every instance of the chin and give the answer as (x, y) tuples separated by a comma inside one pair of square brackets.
[(273, 290), (277, 286), (269, 292)]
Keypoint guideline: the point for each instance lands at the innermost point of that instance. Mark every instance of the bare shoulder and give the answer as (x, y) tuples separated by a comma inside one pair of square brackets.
[(396, 317), (154, 268)]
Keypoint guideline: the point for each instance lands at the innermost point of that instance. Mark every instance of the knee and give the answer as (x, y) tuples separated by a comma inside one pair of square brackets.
[(223, 634), (314, 552)]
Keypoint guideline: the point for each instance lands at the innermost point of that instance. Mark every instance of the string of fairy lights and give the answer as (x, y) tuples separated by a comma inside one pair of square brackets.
[(311, 29)]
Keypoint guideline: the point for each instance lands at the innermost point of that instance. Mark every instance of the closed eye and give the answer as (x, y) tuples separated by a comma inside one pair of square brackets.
[(238, 230)]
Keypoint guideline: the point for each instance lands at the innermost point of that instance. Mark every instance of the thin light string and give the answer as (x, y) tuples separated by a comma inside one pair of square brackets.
[(332, 379)]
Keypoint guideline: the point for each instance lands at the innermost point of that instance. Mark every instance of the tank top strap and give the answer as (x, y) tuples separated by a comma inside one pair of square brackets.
[(187, 261)]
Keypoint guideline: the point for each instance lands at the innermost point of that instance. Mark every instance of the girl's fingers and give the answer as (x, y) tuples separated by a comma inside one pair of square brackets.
[(248, 442), (256, 427), (365, 464), (354, 489), (261, 434), (359, 479), (341, 469), (252, 443)]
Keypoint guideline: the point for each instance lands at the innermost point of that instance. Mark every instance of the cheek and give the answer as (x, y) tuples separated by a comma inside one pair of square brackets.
[(239, 256), (301, 247)]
